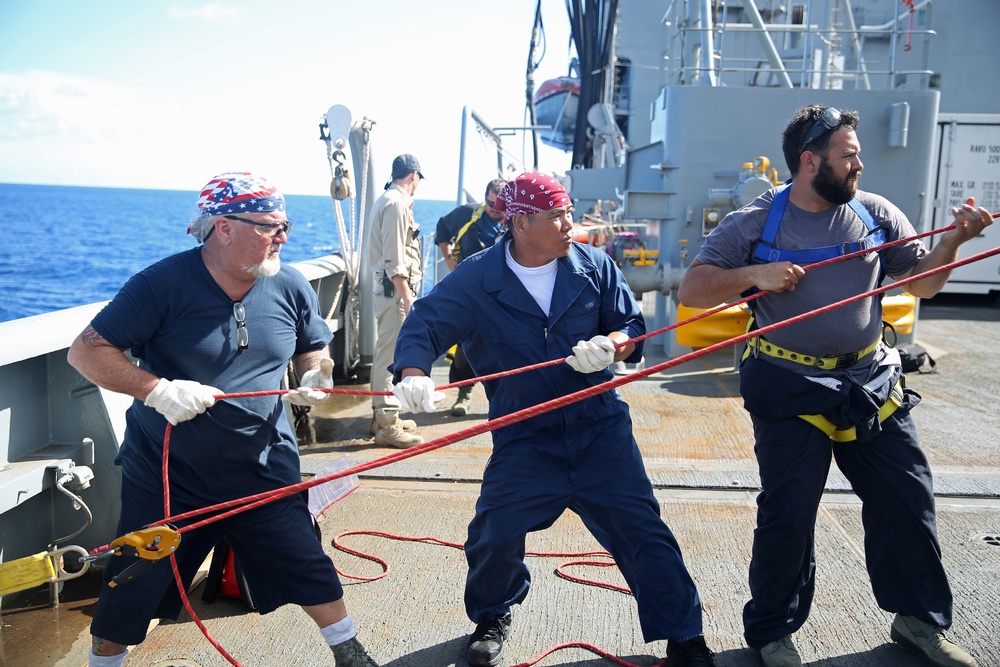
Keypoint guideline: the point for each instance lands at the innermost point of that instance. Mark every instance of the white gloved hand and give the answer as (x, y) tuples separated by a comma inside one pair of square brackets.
[(317, 378), (181, 400), (416, 394), (590, 356)]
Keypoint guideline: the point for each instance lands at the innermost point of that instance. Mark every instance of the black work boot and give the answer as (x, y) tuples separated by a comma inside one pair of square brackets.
[(352, 654), (690, 653), (486, 643)]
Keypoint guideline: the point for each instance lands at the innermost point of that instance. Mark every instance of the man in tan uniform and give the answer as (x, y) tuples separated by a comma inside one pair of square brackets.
[(394, 255)]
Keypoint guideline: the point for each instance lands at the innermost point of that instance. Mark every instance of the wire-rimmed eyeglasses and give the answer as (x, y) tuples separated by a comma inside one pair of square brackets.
[(830, 120), (274, 227), (242, 336)]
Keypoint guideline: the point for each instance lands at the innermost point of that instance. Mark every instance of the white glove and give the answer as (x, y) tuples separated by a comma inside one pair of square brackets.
[(416, 394), (590, 356), (317, 378), (181, 400)]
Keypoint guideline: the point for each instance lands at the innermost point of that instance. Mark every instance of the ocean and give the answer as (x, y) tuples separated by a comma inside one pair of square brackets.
[(72, 246)]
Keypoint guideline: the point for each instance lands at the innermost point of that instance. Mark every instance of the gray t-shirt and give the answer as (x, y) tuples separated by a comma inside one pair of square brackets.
[(843, 330)]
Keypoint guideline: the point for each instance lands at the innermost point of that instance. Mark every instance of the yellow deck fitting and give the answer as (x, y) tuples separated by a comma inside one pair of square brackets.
[(642, 257)]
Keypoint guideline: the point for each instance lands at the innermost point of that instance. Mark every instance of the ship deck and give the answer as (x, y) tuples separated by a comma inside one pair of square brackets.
[(697, 444)]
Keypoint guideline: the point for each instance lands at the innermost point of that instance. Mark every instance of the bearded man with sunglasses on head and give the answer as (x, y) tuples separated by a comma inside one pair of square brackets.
[(828, 387), (224, 317)]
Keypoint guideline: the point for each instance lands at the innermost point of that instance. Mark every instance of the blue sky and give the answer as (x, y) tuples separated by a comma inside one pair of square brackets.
[(166, 94)]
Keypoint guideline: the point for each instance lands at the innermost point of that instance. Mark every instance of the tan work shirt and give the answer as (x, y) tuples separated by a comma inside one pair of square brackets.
[(393, 243)]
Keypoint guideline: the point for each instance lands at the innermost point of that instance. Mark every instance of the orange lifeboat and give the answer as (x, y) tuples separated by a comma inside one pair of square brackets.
[(555, 106)]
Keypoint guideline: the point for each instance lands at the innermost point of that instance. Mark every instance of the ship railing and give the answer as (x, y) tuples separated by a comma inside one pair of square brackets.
[(52, 421), (814, 55)]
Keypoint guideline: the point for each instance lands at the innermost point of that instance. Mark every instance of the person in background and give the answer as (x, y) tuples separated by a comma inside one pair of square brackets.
[(828, 386), (224, 317), (394, 256), (481, 231), (452, 222), (447, 229), (532, 297)]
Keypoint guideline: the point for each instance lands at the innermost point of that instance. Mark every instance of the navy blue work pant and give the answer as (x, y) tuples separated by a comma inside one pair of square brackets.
[(890, 475), (592, 466), (275, 545)]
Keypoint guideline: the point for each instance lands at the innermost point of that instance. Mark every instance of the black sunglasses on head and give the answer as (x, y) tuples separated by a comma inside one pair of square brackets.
[(829, 121)]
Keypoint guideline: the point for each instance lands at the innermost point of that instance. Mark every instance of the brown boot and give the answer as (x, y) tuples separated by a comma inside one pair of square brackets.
[(394, 435), (408, 425)]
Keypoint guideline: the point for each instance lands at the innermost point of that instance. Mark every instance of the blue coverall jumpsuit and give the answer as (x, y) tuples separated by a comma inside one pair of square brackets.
[(582, 456)]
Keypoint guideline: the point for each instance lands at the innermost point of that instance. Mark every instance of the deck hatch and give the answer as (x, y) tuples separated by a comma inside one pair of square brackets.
[(991, 539)]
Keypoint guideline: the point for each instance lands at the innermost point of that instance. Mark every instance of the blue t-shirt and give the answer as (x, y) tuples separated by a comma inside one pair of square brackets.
[(179, 324)]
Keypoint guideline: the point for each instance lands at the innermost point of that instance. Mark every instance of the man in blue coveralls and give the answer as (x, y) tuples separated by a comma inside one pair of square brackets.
[(223, 317), (828, 386), (532, 297)]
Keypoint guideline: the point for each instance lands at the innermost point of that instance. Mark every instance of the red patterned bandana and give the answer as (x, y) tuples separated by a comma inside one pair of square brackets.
[(529, 193)]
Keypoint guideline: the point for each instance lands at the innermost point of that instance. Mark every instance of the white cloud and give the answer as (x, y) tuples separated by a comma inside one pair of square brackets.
[(162, 119), (63, 107)]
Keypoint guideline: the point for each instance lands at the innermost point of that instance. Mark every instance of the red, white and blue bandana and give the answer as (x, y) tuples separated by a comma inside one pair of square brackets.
[(238, 192), (529, 193)]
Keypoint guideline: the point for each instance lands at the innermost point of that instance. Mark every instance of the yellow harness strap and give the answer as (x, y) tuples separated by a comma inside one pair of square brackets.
[(38, 569), (456, 249), (851, 434), (758, 344)]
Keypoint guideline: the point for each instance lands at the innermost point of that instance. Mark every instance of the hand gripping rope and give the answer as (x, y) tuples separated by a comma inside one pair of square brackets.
[(138, 540)]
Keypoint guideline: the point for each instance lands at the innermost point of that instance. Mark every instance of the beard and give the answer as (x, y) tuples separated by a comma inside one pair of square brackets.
[(827, 186), (265, 269)]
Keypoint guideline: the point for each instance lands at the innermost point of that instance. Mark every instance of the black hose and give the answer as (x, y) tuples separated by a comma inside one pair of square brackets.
[(537, 35)]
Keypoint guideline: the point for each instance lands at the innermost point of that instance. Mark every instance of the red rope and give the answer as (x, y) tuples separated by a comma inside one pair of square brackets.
[(455, 545), (587, 647), (559, 570), (521, 415), (650, 334), (909, 29), (541, 408), (181, 589), (194, 616)]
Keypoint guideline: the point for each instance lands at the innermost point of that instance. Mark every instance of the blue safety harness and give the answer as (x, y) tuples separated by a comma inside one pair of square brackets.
[(765, 251)]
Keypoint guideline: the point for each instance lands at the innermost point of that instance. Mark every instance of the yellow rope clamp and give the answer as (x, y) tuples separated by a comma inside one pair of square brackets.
[(150, 544), (41, 568)]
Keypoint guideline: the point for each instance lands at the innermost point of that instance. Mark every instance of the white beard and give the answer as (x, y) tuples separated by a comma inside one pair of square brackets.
[(265, 269)]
